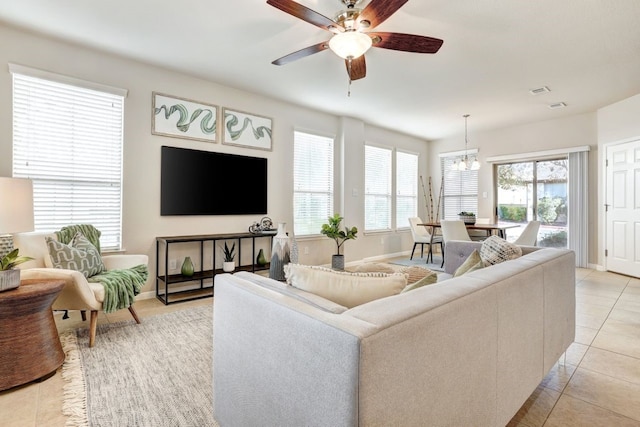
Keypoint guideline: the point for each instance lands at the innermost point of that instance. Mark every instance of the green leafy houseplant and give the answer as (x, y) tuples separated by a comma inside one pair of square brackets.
[(12, 259), (332, 230), (229, 254)]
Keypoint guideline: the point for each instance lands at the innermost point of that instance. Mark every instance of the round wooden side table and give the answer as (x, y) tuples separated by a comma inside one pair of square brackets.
[(30, 347)]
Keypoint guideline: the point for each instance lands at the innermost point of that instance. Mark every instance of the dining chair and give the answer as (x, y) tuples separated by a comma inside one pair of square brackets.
[(422, 236), (453, 230), (529, 235), (480, 234)]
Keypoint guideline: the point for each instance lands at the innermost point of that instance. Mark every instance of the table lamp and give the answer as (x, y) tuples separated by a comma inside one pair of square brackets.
[(16, 216)]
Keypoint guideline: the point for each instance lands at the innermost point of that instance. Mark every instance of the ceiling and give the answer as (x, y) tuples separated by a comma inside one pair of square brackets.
[(587, 52)]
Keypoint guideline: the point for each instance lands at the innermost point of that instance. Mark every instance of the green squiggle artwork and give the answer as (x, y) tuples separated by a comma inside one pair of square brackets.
[(207, 122), (259, 132)]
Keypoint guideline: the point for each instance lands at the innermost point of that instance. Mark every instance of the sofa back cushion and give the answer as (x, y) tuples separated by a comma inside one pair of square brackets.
[(344, 288)]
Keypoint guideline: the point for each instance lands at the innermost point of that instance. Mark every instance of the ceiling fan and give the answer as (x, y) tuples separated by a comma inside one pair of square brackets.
[(351, 36)]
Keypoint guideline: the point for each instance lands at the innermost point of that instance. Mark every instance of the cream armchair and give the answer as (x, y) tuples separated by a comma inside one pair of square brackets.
[(78, 293)]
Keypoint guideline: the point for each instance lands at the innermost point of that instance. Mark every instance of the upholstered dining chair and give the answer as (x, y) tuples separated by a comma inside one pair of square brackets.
[(529, 235), (479, 234), (422, 236)]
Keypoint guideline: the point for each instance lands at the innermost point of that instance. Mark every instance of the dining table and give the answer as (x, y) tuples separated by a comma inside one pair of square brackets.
[(499, 229)]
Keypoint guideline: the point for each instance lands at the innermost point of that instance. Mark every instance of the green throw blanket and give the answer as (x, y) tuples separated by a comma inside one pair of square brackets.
[(120, 286)]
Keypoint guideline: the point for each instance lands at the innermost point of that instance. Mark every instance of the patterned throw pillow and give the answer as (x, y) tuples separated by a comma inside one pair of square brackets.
[(495, 250), (79, 255), (429, 279)]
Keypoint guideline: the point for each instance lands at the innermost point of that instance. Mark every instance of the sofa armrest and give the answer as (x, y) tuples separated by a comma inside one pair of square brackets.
[(118, 262)]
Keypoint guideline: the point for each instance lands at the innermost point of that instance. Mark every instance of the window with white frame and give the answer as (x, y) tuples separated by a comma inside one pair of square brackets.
[(67, 138), (406, 188), (460, 188), (312, 182), (377, 193)]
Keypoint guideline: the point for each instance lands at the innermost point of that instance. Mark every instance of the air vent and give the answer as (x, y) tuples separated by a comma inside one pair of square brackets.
[(539, 90), (557, 105)]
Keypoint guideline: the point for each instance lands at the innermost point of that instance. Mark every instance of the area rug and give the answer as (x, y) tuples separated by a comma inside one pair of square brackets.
[(420, 262), (157, 373)]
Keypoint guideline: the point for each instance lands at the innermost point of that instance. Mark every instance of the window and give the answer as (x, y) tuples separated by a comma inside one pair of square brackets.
[(377, 193), (406, 188), (67, 137), (312, 182), (460, 189)]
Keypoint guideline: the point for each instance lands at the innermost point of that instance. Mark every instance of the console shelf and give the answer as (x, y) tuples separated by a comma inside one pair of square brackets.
[(200, 285)]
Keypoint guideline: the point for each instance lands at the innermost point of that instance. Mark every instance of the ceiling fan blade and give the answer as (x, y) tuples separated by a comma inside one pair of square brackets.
[(405, 42), (378, 11), (301, 53), (358, 68), (306, 14)]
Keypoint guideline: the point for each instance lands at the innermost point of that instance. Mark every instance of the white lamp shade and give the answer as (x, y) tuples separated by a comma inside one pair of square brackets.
[(350, 44), (16, 205)]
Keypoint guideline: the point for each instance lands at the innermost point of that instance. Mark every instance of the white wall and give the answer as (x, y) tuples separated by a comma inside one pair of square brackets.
[(142, 222), (572, 131), (619, 122)]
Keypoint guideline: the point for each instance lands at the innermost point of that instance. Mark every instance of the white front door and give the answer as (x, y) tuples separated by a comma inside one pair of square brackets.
[(623, 209)]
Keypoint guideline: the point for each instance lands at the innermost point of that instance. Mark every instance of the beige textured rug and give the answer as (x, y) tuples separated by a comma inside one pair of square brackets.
[(157, 373)]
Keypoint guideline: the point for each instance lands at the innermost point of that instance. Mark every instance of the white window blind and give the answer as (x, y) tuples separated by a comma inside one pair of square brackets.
[(68, 140), (312, 182), (406, 188), (460, 189), (377, 194)]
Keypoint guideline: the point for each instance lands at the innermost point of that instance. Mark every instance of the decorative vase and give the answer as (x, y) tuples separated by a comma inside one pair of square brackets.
[(187, 267), (9, 279), (279, 253), (261, 260), (337, 262), (228, 266)]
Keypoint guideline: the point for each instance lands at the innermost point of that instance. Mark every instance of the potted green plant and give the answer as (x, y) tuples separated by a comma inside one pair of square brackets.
[(229, 255), (467, 217), (10, 277), (333, 231)]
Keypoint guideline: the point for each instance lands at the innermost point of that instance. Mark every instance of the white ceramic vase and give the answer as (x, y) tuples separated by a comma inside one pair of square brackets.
[(228, 266), (280, 253)]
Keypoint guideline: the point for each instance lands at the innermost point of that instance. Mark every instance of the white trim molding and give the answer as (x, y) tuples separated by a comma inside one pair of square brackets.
[(536, 154)]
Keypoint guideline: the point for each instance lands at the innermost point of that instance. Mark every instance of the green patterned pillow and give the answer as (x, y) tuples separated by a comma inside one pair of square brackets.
[(473, 261), (79, 255)]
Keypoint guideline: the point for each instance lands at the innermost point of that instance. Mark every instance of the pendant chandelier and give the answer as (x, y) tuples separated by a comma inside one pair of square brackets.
[(463, 165)]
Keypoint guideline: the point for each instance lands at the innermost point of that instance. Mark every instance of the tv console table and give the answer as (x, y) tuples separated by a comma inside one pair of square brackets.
[(204, 277)]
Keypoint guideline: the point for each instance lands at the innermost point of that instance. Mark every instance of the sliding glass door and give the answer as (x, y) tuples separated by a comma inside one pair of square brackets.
[(534, 190)]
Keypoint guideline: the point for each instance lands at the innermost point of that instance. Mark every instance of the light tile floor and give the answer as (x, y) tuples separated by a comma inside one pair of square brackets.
[(599, 385)]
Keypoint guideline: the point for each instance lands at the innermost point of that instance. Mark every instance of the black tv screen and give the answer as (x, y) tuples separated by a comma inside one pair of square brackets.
[(195, 182)]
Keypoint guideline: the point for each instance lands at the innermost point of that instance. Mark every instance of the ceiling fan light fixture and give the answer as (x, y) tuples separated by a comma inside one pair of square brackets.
[(350, 44)]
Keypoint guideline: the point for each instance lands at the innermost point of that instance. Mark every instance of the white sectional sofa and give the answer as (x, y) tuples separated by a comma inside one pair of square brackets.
[(467, 351)]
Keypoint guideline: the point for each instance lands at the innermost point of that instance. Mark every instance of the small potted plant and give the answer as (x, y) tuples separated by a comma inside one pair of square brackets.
[(10, 277), (467, 217), (229, 255), (332, 230)]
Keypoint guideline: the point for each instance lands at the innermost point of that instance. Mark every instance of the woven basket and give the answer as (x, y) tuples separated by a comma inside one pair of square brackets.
[(9, 279), (468, 219)]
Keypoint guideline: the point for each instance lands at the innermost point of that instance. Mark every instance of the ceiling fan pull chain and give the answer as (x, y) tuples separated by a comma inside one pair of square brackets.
[(349, 70)]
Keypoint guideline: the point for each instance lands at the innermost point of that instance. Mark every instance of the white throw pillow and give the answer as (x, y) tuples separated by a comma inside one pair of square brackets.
[(344, 288), (495, 250)]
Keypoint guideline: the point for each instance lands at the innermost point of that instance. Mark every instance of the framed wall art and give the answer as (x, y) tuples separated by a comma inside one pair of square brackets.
[(246, 130), (183, 118)]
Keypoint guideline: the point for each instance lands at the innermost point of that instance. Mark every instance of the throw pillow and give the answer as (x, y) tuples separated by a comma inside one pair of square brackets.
[(344, 288), (374, 267), (415, 273), (429, 279), (472, 260), (495, 250), (79, 255)]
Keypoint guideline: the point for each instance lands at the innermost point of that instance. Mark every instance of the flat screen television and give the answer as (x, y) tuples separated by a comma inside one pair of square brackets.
[(195, 182)]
